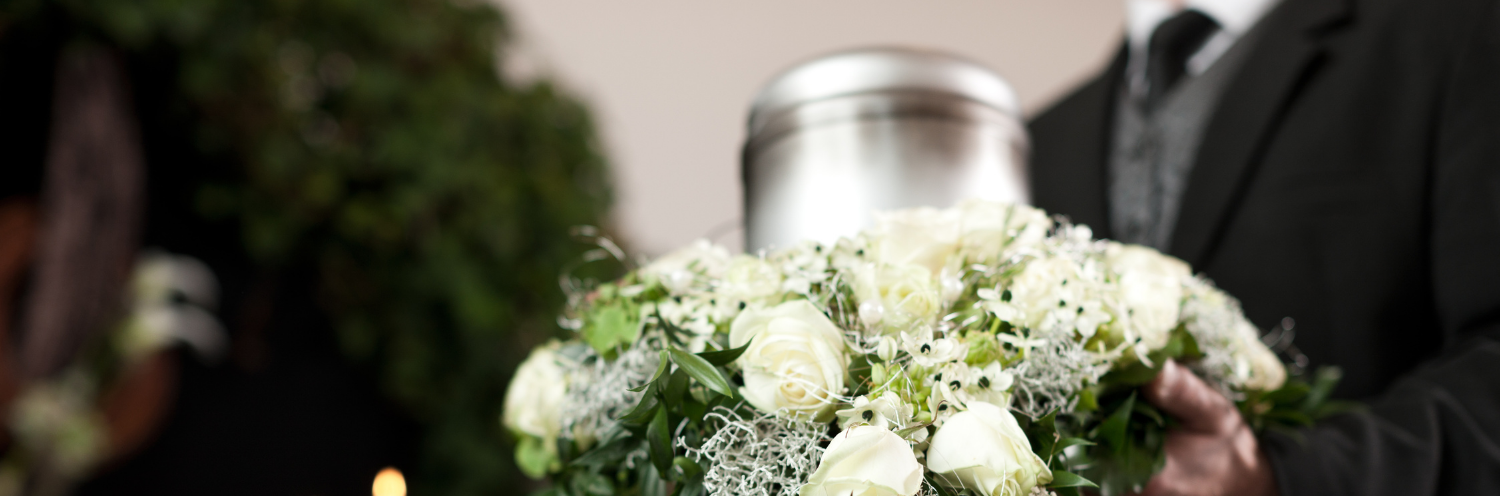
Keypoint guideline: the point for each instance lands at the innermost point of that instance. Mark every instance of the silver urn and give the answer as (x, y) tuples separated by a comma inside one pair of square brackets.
[(834, 139)]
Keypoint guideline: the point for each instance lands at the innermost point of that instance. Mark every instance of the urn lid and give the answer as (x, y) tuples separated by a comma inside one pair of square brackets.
[(875, 70)]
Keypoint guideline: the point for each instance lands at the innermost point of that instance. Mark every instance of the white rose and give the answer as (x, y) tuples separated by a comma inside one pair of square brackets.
[(750, 279), (1042, 287), (992, 231), (984, 449), (796, 362), (533, 401), (1151, 290), (899, 297), (1257, 365), (866, 461), (919, 236)]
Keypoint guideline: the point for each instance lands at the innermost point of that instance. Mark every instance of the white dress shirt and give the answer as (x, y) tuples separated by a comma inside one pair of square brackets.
[(1235, 17)]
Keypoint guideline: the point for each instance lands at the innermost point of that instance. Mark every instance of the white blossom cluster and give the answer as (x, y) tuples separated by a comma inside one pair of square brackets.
[(917, 341)]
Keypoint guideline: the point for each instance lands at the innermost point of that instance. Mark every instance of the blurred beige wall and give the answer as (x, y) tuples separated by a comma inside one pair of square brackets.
[(671, 80)]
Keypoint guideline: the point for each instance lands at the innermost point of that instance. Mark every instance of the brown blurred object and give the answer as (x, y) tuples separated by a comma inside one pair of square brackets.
[(93, 194), (136, 404), (18, 226), (75, 251)]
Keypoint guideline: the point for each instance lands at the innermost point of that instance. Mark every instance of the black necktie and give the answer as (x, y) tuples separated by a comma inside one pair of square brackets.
[(1173, 42)]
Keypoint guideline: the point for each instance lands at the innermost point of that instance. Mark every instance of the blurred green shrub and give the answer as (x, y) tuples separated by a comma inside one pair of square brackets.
[(379, 140)]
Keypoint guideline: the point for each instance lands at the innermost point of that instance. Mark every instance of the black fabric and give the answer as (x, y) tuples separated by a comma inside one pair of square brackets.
[(1172, 43), (1349, 179)]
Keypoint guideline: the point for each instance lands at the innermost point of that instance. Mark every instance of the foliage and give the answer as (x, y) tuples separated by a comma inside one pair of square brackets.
[(376, 140)]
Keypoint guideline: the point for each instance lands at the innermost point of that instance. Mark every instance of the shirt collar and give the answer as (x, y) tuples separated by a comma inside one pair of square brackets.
[(1234, 16)]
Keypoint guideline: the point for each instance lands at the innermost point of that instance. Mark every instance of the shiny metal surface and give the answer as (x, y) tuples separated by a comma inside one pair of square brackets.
[(837, 138)]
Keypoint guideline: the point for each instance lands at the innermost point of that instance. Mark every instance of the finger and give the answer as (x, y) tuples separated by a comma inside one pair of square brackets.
[(1193, 402)]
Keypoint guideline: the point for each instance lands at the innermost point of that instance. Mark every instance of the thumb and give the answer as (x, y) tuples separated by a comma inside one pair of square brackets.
[(1180, 393)]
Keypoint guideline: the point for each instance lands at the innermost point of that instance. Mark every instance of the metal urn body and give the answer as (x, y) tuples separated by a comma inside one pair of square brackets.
[(837, 138)]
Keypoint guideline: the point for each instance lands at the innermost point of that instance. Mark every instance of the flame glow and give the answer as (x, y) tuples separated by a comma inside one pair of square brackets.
[(389, 482)]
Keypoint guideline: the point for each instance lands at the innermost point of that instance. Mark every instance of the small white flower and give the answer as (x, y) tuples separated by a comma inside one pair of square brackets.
[(943, 402), (952, 377), (933, 352), (991, 384), (886, 411)]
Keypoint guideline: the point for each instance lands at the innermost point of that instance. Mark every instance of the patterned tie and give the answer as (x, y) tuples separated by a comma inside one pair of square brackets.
[(1173, 42)]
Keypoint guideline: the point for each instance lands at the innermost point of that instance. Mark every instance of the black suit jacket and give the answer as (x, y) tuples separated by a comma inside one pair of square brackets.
[(1349, 179)]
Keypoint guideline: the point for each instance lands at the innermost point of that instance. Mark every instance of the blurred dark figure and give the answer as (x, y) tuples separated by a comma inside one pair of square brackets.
[(386, 215), (1336, 165)]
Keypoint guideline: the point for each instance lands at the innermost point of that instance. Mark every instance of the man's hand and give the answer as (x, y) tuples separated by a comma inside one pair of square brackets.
[(1212, 452)]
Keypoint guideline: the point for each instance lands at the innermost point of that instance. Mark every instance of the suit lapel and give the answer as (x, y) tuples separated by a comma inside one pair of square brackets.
[(1288, 54)]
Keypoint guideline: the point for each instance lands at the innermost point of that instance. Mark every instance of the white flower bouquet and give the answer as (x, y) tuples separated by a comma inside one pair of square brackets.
[(986, 349)]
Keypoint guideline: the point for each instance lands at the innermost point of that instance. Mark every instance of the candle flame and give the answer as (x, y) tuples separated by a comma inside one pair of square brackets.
[(389, 482)]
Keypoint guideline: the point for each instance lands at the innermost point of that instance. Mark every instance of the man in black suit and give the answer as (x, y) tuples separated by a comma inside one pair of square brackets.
[(1336, 165)]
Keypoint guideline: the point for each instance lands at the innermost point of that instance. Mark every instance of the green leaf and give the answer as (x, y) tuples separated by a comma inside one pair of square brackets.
[(1112, 431), (1292, 392), (1046, 433), (1061, 478), (1327, 378), (533, 457), (1150, 412), (1134, 374), (689, 468), (693, 487), (644, 410), (1088, 400), (609, 327), (607, 454), (651, 481), (659, 441), (702, 371), (1290, 417), (1069, 442), (590, 484), (724, 357), (676, 388), (694, 410)]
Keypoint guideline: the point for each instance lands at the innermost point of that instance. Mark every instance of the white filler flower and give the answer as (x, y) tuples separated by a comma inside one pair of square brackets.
[(796, 363), (984, 449), (886, 411), (866, 461), (533, 402)]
